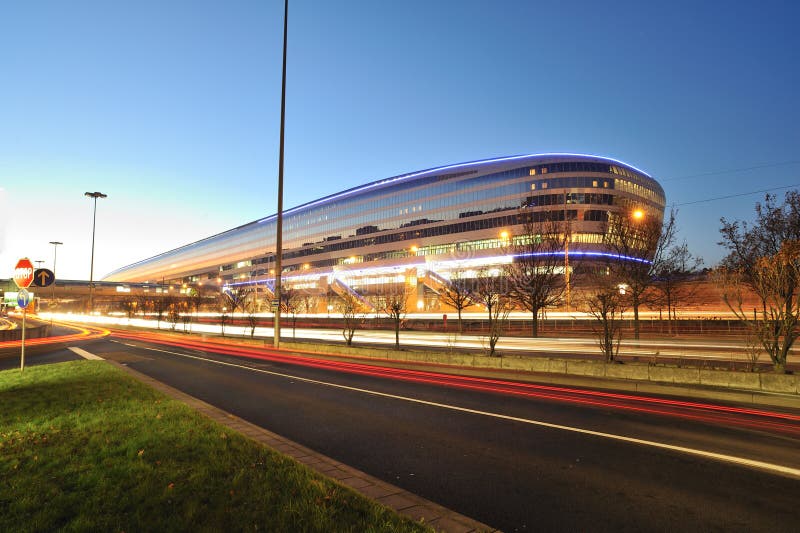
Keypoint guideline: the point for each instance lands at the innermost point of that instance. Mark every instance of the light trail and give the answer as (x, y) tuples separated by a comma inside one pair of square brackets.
[(709, 413), (716, 350), (741, 461), (83, 333)]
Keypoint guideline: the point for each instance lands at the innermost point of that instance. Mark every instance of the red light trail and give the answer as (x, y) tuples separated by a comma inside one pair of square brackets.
[(83, 333), (704, 412)]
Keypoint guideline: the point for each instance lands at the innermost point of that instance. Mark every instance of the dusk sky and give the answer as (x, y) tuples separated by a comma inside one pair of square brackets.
[(172, 107)]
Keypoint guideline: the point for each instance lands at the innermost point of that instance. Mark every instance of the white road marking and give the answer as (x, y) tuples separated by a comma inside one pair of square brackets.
[(86, 355), (770, 467)]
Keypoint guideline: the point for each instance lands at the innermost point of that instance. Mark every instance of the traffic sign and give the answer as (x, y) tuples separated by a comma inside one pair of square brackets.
[(43, 277), (23, 273), (23, 298)]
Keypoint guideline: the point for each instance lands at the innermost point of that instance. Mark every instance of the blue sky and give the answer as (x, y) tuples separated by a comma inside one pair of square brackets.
[(172, 107)]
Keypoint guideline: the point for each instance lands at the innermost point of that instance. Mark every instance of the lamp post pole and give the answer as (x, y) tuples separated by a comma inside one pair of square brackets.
[(279, 223), (567, 238), (94, 195), (55, 254)]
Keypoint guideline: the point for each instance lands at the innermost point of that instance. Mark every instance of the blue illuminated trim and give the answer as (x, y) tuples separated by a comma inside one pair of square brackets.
[(588, 254), (432, 171), (366, 271)]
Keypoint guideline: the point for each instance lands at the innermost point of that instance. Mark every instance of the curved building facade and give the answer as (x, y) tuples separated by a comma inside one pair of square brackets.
[(437, 219)]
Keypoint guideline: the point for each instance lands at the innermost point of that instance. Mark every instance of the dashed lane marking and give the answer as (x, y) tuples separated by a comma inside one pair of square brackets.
[(86, 355)]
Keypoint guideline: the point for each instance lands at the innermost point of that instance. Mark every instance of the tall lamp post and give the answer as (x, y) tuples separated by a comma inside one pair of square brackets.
[(95, 195), (279, 223), (55, 254)]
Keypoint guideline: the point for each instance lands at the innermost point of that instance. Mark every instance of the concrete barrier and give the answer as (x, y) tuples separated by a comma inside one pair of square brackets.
[(633, 371)]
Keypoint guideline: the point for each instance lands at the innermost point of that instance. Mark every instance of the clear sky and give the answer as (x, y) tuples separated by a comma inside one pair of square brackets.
[(172, 107)]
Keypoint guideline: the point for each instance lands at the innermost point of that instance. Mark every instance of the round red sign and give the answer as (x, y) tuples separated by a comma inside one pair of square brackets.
[(23, 273)]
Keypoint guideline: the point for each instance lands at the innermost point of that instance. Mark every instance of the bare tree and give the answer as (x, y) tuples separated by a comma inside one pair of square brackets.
[(774, 279), (765, 258), (250, 307), (672, 276), (352, 317), (607, 305), (236, 297), (143, 303), (291, 299), (129, 305), (196, 299), (491, 291), (639, 243), (172, 310), (393, 303), (458, 294), (537, 277), (160, 307)]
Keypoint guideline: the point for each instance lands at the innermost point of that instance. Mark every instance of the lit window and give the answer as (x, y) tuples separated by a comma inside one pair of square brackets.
[(594, 183), (533, 186), (544, 170), (532, 172), (544, 185)]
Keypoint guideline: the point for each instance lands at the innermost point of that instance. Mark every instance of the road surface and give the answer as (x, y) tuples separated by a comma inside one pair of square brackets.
[(519, 457)]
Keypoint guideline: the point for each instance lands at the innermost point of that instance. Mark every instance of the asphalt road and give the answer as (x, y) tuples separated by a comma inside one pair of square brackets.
[(539, 460)]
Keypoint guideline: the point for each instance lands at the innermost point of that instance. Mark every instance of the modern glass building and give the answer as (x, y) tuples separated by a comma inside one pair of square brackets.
[(433, 221)]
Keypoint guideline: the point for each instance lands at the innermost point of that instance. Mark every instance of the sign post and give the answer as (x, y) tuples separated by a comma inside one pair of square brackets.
[(23, 277), (23, 299)]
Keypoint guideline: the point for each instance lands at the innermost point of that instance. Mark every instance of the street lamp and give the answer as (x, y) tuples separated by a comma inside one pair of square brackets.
[(55, 253), (276, 341), (95, 195)]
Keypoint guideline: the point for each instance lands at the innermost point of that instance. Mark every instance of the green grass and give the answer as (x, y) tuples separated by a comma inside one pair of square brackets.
[(83, 446)]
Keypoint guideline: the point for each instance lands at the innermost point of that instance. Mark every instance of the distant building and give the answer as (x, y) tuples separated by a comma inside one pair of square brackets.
[(415, 228)]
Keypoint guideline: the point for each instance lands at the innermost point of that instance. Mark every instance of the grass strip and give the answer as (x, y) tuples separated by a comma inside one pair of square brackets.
[(83, 446)]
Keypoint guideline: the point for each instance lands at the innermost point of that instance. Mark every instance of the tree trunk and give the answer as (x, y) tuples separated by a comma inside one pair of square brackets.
[(636, 317), (669, 315), (460, 330), (534, 323), (397, 333)]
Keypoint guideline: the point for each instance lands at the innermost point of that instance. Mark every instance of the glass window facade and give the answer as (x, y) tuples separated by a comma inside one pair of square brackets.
[(381, 220)]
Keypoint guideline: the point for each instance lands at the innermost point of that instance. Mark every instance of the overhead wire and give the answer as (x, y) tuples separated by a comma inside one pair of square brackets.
[(731, 171), (735, 195)]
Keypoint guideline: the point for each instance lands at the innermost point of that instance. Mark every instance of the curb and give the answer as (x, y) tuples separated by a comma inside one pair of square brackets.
[(399, 500), (705, 392)]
